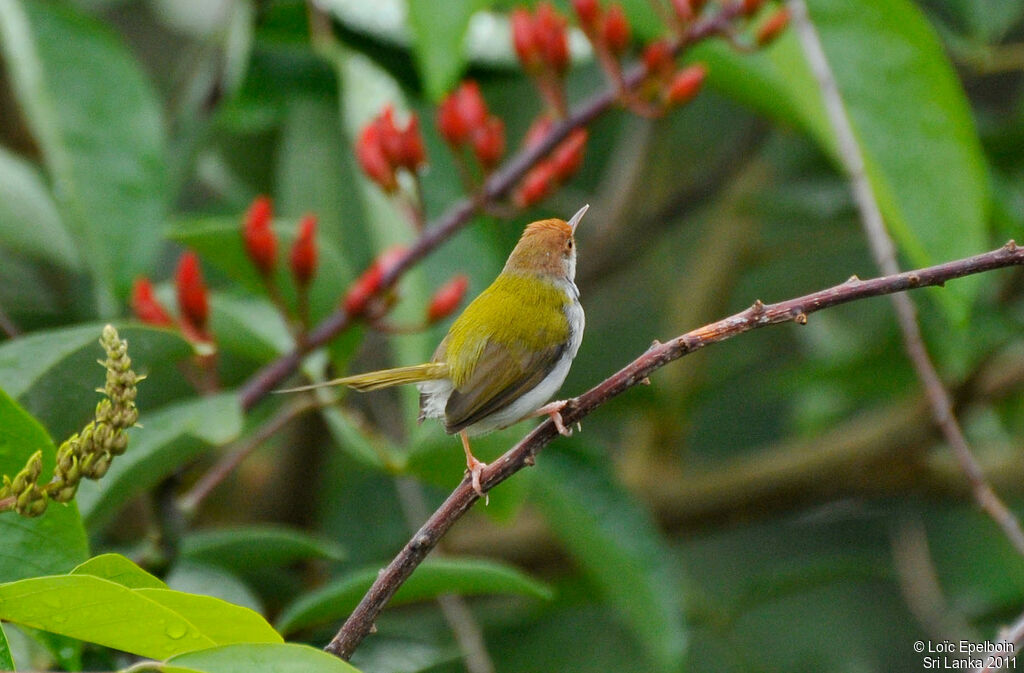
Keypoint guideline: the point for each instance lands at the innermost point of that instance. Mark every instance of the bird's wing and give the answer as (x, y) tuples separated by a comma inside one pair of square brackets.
[(499, 378)]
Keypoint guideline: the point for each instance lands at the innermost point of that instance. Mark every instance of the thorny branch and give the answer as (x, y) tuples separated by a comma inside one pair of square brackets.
[(497, 186), (360, 622)]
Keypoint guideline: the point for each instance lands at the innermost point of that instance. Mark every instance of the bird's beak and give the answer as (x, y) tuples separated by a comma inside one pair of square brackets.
[(575, 219)]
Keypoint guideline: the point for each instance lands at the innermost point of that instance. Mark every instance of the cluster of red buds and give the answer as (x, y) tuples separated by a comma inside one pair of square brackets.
[(464, 120), (542, 46), (383, 149), (192, 296), (554, 169), (261, 243)]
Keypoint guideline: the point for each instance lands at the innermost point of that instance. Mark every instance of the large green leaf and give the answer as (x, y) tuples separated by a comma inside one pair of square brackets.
[(438, 41), (467, 577), (29, 222), (167, 439), (98, 123), (54, 374), (618, 546), (51, 543), (150, 622), (282, 658), (910, 115), (240, 548)]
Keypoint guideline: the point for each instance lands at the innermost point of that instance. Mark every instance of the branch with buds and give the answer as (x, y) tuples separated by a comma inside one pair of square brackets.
[(523, 454), (548, 157)]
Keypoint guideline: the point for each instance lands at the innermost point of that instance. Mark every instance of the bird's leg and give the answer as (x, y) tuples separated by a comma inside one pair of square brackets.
[(554, 410), (474, 466)]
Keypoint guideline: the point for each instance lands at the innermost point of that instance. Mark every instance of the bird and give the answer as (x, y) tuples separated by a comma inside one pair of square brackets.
[(508, 352)]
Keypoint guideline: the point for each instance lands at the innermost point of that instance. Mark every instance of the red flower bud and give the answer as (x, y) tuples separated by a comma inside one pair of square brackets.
[(471, 106), (684, 9), (449, 122), (686, 84), (550, 37), (568, 156), (192, 292), (524, 38), (260, 241), (361, 290), (658, 57), (537, 184), (369, 282), (413, 154), (750, 7), (372, 158), (390, 137), (589, 12), (146, 306), (616, 29), (489, 143), (304, 253), (447, 298), (773, 27)]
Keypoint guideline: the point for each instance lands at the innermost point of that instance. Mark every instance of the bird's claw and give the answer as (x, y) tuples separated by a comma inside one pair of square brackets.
[(556, 418), (475, 469)]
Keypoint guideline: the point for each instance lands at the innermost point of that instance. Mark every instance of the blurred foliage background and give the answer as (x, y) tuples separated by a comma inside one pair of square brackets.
[(778, 502)]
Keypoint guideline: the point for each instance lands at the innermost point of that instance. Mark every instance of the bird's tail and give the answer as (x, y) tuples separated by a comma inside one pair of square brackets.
[(385, 378)]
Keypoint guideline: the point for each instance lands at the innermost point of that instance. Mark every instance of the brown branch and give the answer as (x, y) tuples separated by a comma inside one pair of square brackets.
[(360, 622), (884, 252), (497, 186)]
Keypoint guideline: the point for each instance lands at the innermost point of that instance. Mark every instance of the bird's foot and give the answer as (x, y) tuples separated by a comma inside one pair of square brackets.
[(554, 411), (475, 469)]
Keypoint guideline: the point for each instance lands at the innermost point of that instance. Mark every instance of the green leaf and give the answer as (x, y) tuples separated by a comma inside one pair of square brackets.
[(100, 611), (910, 115), (29, 222), (150, 622), (102, 144), (54, 374), (283, 658), (167, 439), (467, 577), (6, 660), (243, 547), (618, 546), (438, 41), (51, 543), (119, 569)]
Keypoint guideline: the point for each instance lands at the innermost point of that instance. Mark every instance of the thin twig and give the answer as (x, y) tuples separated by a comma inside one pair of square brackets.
[(498, 184), (191, 501), (884, 252), (658, 355)]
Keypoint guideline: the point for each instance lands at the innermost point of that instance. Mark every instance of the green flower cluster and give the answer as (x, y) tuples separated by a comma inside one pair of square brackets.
[(88, 453)]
